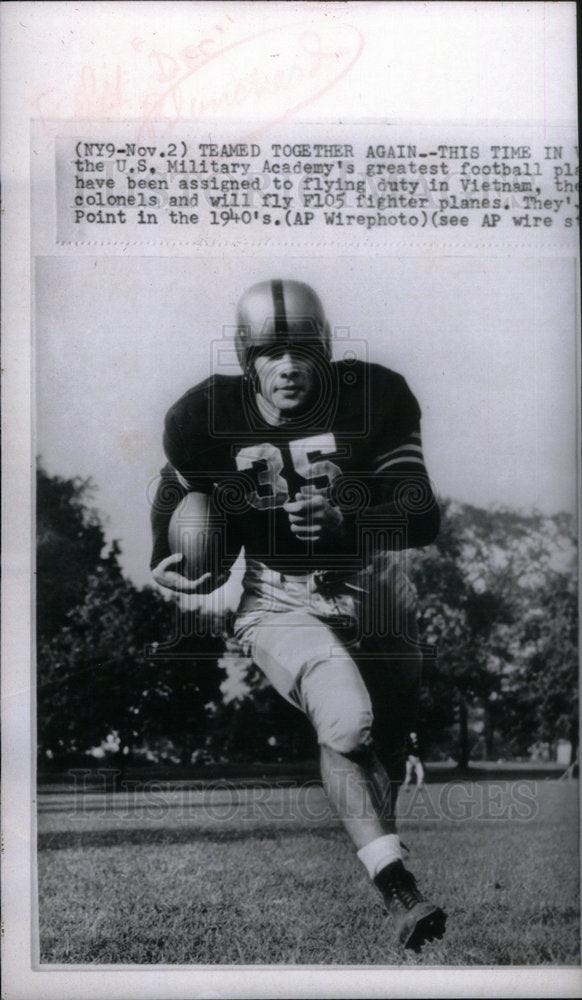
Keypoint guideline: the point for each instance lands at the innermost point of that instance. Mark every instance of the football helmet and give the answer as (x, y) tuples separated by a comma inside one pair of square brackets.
[(280, 313)]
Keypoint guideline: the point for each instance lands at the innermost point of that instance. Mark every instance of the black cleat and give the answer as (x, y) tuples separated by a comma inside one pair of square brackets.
[(417, 920)]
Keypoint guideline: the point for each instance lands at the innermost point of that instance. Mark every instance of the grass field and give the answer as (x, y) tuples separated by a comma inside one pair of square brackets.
[(266, 875)]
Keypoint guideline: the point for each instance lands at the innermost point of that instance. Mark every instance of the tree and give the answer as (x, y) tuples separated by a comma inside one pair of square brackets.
[(478, 585), (101, 675), (97, 677), (70, 547), (186, 698), (540, 698), (94, 676), (259, 725)]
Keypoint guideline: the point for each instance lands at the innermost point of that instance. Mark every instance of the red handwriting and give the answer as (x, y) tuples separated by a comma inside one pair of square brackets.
[(286, 68), (100, 92), (310, 66)]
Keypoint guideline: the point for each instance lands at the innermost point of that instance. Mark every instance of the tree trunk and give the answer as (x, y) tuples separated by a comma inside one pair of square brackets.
[(187, 750), (488, 733), (463, 761)]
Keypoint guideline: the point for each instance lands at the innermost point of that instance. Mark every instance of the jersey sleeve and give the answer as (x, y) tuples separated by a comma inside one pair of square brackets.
[(401, 492), (187, 447), (397, 441), (185, 444)]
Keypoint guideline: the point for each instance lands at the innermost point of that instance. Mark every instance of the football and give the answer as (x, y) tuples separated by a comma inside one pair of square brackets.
[(200, 532)]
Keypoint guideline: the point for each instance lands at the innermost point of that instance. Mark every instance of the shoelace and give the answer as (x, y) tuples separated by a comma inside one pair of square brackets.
[(405, 889)]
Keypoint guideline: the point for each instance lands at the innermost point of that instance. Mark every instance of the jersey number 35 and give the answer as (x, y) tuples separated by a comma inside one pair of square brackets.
[(265, 461)]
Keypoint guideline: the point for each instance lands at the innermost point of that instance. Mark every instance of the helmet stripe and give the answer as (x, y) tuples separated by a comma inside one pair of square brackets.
[(281, 327)]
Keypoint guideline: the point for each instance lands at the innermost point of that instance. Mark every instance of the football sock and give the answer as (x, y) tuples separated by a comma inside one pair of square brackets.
[(380, 852)]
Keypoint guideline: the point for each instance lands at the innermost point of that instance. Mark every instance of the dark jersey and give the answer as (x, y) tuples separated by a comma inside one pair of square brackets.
[(359, 445), (412, 745)]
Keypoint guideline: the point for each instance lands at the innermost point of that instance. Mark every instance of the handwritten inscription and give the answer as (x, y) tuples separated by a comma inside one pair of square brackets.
[(224, 76), (268, 75)]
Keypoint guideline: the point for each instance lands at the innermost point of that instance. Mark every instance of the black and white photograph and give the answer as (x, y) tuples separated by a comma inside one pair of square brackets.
[(291, 664)]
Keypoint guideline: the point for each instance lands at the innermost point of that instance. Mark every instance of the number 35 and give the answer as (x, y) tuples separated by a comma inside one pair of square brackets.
[(266, 463)]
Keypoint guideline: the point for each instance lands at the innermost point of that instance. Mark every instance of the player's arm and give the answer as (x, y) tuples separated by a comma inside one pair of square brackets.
[(172, 487), (396, 480), (400, 488), (399, 485), (403, 488), (165, 565)]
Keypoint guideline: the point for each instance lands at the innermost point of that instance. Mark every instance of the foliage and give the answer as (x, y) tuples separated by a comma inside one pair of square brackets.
[(97, 678), (485, 590), (94, 679), (262, 725), (540, 696), (70, 545)]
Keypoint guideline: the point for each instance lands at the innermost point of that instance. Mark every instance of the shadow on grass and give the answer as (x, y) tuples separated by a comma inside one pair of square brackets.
[(78, 839)]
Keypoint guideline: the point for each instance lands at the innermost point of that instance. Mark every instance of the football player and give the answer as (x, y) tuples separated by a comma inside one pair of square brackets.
[(317, 467), (413, 762)]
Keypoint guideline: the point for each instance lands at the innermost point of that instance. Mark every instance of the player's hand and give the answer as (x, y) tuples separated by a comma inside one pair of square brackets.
[(313, 518), (169, 579)]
